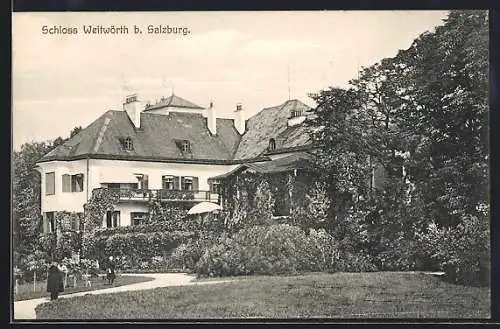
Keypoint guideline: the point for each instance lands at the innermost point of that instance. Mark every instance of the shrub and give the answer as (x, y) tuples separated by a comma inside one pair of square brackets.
[(46, 242), (278, 249), (67, 244), (186, 255), (313, 213), (135, 247), (351, 262), (36, 262), (465, 251), (275, 249)]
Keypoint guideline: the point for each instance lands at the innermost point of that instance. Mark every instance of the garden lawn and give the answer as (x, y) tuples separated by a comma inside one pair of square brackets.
[(25, 290), (318, 295)]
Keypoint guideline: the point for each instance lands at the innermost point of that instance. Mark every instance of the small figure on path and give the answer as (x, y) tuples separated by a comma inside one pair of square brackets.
[(110, 270), (55, 281)]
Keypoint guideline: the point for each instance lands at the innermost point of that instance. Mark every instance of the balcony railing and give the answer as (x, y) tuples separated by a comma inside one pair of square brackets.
[(166, 195)]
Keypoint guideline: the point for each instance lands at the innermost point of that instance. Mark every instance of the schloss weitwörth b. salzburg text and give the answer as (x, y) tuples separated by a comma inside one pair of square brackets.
[(115, 29)]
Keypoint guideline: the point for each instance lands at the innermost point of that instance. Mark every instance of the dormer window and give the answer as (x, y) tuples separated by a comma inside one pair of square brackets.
[(272, 145), (296, 113), (128, 145), (183, 145), (186, 146)]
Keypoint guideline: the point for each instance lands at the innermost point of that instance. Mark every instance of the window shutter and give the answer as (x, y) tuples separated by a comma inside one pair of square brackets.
[(182, 183), (66, 183), (45, 224), (176, 182), (50, 183), (145, 182), (77, 183), (211, 186), (195, 183)]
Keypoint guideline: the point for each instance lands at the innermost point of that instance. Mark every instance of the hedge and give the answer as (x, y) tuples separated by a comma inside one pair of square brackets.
[(134, 245)]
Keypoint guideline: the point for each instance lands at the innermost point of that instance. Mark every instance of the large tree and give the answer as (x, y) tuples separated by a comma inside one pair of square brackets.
[(447, 90), (425, 109), (26, 218)]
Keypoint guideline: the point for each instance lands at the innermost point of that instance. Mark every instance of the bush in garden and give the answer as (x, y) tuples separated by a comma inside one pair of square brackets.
[(46, 242), (355, 262), (279, 249), (89, 266), (35, 262), (94, 245), (133, 248), (275, 249), (464, 251), (186, 255), (321, 251), (314, 212), (67, 244)]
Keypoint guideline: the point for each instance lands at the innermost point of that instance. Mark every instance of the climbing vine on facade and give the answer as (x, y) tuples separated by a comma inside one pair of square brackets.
[(101, 201)]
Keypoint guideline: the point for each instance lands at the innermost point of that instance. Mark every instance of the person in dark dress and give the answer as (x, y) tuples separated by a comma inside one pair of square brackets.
[(110, 270), (55, 282)]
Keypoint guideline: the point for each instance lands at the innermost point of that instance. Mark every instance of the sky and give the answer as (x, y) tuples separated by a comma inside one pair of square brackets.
[(258, 59)]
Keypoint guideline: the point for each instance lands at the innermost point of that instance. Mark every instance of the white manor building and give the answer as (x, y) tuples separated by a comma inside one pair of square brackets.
[(173, 151)]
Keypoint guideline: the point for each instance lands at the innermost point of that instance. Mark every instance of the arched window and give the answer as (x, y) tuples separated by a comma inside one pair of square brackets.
[(272, 145)]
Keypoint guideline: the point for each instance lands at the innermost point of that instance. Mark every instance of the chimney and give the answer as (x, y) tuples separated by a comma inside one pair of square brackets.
[(133, 107), (239, 119), (212, 119)]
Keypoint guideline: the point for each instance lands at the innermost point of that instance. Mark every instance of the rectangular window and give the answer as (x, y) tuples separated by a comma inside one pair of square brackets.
[(186, 146), (187, 183), (112, 219), (50, 183), (138, 218), (142, 181), (77, 183), (215, 186), (168, 182), (50, 222), (66, 183)]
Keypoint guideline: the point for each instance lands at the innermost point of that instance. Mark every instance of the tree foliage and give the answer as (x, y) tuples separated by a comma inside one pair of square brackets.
[(26, 187), (422, 117), (26, 183)]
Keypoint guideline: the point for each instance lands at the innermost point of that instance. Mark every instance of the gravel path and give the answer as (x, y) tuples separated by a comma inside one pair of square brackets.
[(25, 309)]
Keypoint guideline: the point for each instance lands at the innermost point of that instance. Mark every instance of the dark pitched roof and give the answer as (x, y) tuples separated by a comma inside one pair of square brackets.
[(291, 162), (156, 139), (229, 136), (272, 123), (173, 101), (285, 164)]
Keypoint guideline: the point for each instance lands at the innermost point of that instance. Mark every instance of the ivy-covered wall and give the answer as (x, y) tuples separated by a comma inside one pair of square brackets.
[(101, 201), (288, 190)]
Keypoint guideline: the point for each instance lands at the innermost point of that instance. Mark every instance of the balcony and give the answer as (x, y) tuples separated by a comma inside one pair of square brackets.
[(166, 195)]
